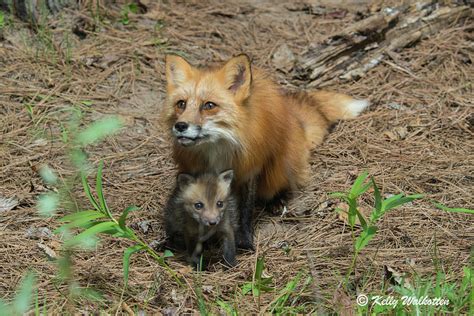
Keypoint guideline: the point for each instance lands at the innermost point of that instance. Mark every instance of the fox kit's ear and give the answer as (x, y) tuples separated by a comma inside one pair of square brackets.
[(238, 75), (184, 179), (227, 176), (178, 70)]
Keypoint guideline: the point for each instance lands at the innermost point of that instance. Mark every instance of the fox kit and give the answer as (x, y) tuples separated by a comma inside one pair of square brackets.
[(203, 207), (233, 116)]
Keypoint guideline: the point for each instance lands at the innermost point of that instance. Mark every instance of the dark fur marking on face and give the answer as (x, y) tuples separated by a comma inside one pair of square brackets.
[(211, 190)]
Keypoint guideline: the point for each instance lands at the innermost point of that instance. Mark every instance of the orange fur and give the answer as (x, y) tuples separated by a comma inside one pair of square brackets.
[(268, 133)]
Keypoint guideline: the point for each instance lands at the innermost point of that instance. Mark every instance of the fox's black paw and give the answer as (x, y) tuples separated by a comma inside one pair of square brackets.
[(246, 242)]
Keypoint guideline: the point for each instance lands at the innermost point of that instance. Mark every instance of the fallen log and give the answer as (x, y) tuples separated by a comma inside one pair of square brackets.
[(351, 53)]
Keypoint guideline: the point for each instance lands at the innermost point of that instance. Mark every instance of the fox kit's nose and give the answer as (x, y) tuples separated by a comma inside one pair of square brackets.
[(213, 222), (181, 126)]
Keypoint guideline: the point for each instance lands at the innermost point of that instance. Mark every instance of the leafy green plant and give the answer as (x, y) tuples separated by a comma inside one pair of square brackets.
[(126, 10), (369, 229), (21, 304), (278, 305), (259, 283), (101, 220)]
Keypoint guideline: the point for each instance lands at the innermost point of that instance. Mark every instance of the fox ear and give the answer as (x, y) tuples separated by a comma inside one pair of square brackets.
[(184, 179), (238, 75), (226, 176), (178, 70)]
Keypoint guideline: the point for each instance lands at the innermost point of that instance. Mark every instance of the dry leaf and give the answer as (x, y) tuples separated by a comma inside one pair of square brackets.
[(7, 204), (48, 251), (397, 133), (38, 233), (397, 278), (342, 303)]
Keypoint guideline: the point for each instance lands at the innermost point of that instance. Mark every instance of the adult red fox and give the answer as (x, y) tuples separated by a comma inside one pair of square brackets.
[(233, 116)]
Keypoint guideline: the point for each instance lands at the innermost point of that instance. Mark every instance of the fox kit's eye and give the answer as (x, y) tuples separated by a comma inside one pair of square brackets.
[(220, 204), (208, 106), (198, 205), (181, 104)]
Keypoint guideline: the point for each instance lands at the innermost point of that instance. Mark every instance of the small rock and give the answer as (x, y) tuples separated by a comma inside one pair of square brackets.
[(156, 244), (40, 142), (176, 297), (283, 58), (144, 226), (207, 289), (38, 233), (396, 106), (169, 311)]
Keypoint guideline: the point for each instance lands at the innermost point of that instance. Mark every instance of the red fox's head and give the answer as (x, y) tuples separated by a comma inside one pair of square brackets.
[(203, 104), (206, 197)]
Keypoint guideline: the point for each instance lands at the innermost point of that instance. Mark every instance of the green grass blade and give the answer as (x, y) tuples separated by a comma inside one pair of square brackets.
[(228, 309), (126, 261), (87, 190), (90, 232), (400, 201), (454, 210), (80, 222), (377, 196), (78, 215), (338, 195), (285, 294), (23, 299), (362, 220), (203, 310), (364, 238), (352, 213), (124, 215), (99, 190)]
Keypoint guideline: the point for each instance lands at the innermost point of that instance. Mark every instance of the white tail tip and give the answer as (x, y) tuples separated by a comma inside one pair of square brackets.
[(355, 107)]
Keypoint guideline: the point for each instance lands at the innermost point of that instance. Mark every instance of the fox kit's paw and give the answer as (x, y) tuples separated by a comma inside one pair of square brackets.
[(230, 261), (245, 241)]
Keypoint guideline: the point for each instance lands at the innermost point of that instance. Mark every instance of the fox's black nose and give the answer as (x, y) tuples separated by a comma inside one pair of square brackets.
[(213, 222), (181, 126)]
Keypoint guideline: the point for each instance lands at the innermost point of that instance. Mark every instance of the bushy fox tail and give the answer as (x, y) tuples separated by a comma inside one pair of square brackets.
[(337, 106), (320, 109)]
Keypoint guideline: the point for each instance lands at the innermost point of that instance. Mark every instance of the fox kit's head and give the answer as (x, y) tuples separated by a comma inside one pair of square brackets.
[(203, 103), (205, 197)]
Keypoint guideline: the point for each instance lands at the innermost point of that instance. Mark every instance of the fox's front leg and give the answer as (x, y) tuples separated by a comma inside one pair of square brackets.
[(193, 250), (228, 245), (246, 205)]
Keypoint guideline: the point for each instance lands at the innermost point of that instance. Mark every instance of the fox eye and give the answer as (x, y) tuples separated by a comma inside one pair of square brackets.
[(198, 205), (209, 106), (181, 104), (220, 204)]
